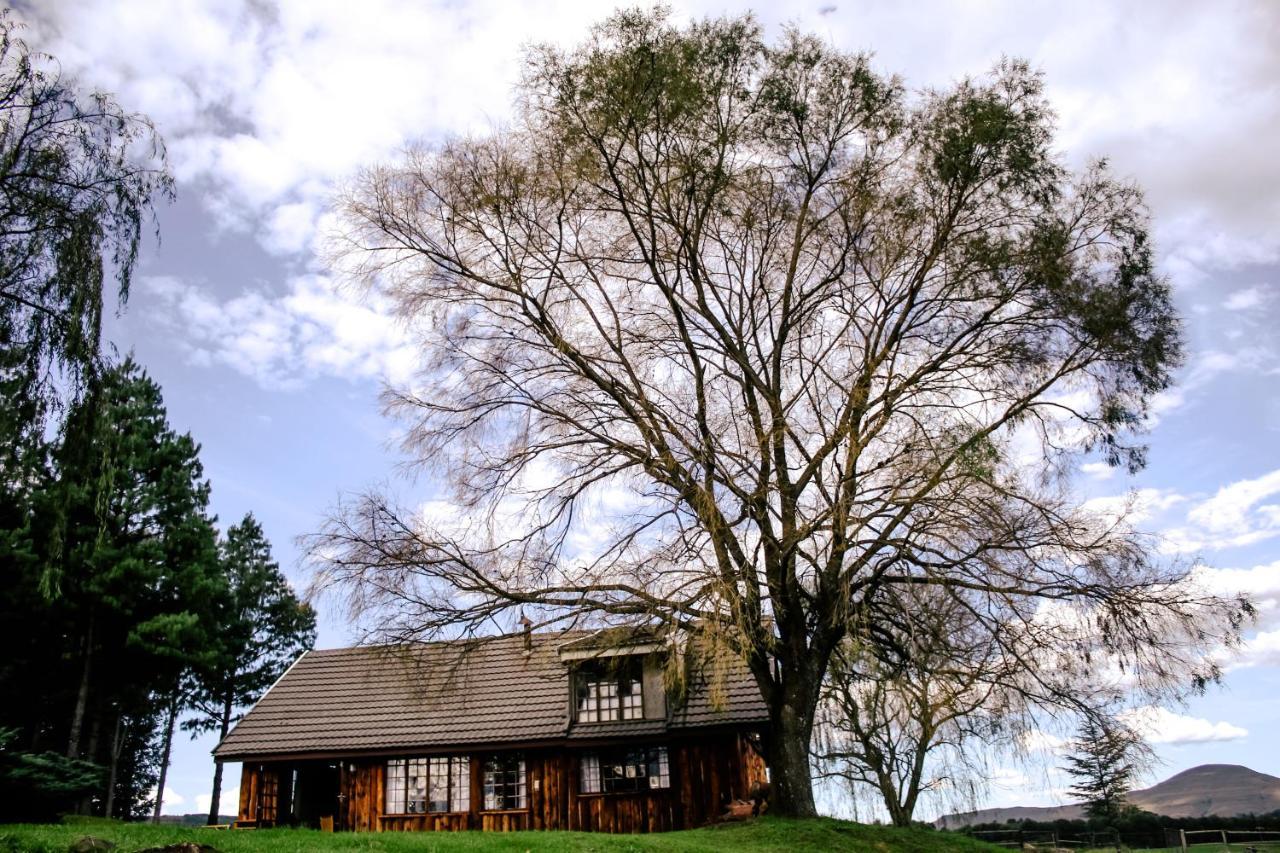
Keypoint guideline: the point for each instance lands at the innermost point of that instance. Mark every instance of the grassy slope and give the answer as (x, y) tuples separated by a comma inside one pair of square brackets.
[(767, 834)]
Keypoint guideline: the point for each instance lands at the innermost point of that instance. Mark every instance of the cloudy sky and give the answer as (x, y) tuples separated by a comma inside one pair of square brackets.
[(267, 104)]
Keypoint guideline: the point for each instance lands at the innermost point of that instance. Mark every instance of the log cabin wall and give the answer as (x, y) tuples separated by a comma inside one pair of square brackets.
[(259, 795), (706, 774), (250, 776)]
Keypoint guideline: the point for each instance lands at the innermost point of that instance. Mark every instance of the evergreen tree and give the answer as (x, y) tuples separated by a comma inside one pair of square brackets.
[(262, 631), (134, 566), (1107, 756)]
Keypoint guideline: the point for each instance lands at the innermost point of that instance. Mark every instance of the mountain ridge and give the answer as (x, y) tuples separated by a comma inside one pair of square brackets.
[(1206, 789)]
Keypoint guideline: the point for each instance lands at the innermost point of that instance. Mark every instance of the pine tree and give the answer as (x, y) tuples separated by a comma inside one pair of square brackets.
[(262, 631), (1107, 756), (133, 569)]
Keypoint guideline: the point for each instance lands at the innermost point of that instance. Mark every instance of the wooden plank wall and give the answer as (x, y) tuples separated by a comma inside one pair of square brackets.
[(250, 777), (706, 774), (259, 794)]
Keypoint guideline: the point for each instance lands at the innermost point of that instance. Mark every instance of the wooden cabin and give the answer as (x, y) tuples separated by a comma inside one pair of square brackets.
[(529, 731)]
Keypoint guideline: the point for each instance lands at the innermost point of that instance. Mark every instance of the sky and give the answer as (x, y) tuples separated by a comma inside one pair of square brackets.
[(268, 105)]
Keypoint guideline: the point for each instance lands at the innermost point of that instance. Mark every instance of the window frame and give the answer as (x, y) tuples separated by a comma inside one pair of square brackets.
[(602, 687), (509, 764), (457, 775), (655, 759)]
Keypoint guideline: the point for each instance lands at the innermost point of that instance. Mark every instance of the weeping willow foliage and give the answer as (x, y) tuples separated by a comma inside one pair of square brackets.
[(78, 180)]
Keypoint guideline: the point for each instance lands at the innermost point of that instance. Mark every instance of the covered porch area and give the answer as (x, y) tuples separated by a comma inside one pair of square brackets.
[(305, 794)]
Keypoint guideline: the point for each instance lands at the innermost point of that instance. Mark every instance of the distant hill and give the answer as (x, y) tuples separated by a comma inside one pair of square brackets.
[(1210, 789), (193, 819)]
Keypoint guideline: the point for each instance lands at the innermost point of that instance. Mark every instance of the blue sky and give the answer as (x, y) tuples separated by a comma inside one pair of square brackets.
[(268, 105)]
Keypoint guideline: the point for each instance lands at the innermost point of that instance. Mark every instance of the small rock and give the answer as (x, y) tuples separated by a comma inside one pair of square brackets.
[(89, 844)]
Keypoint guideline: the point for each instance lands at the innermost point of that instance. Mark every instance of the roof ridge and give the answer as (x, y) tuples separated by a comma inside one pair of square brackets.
[(537, 636)]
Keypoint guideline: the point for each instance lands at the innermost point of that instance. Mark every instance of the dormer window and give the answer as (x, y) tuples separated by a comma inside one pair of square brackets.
[(612, 690)]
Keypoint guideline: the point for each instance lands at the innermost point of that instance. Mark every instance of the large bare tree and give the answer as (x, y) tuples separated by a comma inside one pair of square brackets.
[(738, 339)]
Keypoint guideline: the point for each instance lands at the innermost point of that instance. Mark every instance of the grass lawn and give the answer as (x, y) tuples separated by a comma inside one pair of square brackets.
[(767, 834)]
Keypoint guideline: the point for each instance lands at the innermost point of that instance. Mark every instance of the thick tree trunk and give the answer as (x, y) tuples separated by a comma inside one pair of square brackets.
[(227, 707), (170, 720), (82, 695), (791, 777)]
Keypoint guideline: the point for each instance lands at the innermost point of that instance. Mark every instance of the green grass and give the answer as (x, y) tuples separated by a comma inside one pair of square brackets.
[(767, 834)]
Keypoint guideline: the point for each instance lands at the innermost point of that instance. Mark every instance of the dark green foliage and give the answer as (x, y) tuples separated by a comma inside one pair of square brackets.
[(1104, 761), (115, 585), (78, 178), (39, 785), (262, 627)]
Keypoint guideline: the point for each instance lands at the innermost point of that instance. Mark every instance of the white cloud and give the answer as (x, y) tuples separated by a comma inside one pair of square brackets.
[(1231, 509), (1009, 778), (315, 328), (1136, 506), (203, 801), (1160, 725), (172, 799), (291, 227), (1261, 582), (269, 104), (266, 100), (1236, 516), (1207, 366), (1098, 470), (1039, 741), (1262, 649), (1244, 300)]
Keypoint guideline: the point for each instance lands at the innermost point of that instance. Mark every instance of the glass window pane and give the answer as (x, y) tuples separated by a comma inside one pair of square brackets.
[(590, 774), (416, 799), (438, 786), (460, 798), (505, 783), (395, 786)]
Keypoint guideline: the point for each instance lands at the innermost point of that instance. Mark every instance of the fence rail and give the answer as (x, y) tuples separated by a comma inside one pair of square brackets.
[(1180, 840)]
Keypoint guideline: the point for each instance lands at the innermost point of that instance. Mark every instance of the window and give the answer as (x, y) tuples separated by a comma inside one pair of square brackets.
[(268, 796), (606, 693), (504, 783), (419, 785), (625, 771)]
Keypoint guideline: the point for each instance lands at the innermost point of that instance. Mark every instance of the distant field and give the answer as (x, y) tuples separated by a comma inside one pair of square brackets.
[(774, 835)]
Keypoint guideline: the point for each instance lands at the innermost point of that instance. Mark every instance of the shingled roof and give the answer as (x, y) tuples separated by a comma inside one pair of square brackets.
[(453, 695)]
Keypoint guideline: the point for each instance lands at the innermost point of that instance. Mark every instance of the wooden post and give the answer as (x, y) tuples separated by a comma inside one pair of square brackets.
[(1182, 836)]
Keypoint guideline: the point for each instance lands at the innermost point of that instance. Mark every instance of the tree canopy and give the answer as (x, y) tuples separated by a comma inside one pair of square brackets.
[(745, 339), (112, 585), (262, 628), (78, 178), (1106, 757)]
